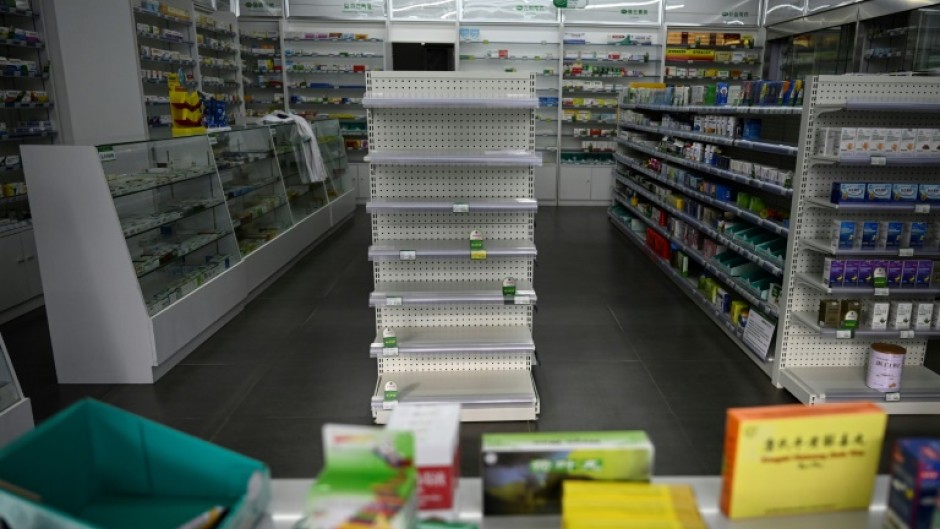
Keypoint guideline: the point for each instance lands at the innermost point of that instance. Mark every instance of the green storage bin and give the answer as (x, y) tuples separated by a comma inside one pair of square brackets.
[(94, 466), (757, 238), (775, 249), (744, 235)]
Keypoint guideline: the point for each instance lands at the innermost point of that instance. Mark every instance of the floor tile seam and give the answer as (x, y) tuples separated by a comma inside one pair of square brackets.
[(241, 396)]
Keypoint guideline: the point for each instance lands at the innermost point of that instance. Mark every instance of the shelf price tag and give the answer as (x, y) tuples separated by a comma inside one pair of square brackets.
[(389, 351), (893, 397), (844, 334), (907, 334), (922, 208), (521, 300), (407, 255), (213, 140), (106, 154), (393, 301), (906, 252), (478, 255), (879, 160), (461, 207), (882, 292)]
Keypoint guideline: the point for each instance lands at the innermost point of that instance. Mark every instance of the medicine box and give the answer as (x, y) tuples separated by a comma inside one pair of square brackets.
[(922, 143), (923, 315), (909, 274), (436, 428), (894, 270), (851, 273), (924, 273), (870, 234), (908, 142), (847, 141), (879, 192), (95, 466), (876, 315), (915, 233), (890, 234), (904, 192), (516, 468), (863, 140), (915, 483), (893, 142), (850, 312), (866, 273), (879, 140), (848, 192), (829, 310), (929, 193), (899, 317), (834, 272), (843, 234)]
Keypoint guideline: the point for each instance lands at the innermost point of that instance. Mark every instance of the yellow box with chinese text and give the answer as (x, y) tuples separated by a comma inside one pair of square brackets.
[(607, 505), (796, 459)]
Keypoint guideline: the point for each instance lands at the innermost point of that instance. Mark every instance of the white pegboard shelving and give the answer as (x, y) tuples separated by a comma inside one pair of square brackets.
[(827, 248), (819, 365), (459, 340), (708, 109), (451, 153), (410, 250), (876, 160)]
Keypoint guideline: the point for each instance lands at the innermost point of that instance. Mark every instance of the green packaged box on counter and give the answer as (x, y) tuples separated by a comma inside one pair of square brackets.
[(94, 466), (523, 473)]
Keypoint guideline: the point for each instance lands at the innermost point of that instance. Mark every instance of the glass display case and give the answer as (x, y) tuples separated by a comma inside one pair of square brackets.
[(252, 185), (171, 208), (305, 196), (10, 392), (331, 142), (886, 45), (827, 51)]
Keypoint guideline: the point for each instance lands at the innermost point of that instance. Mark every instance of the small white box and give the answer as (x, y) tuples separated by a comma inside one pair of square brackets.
[(935, 143), (923, 315), (830, 140), (847, 140), (863, 139), (876, 315), (893, 142), (923, 143), (908, 142), (899, 318), (437, 454), (879, 139)]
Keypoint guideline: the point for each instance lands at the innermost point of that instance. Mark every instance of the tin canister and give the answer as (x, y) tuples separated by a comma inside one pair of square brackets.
[(885, 362)]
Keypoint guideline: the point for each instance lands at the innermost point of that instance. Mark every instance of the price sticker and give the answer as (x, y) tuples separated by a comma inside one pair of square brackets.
[(906, 252), (521, 300), (844, 334), (389, 404), (907, 334), (922, 208), (106, 154), (882, 292), (478, 255), (879, 160), (389, 351), (892, 397), (393, 301), (461, 207), (407, 255), (213, 140)]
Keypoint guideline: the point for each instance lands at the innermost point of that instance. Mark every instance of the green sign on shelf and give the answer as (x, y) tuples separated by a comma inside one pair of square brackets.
[(570, 4)]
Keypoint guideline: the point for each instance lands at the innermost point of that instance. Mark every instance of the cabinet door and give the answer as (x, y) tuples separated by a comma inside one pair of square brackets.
[(575, 183), (31, 263), (362, 181), (13, 284), (545, 182), (601, 180)]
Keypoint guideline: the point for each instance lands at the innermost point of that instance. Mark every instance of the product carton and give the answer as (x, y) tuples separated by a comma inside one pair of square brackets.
[(851, 273), (847, 142), (833, 272), (899, 317), (895, 271), (915, 483), (876, 315), (890, 234), (523, 473), (848, 192), (866, 273), (437, 453), (871, 230), (893, 142), (796, 459), (863, 140), (929, 193), (588, 504), (879, 192), (923, 143), (924, 273), (829, 310), (850, 312), (923, 315), (904, 192), (843, 234), (909, 274)]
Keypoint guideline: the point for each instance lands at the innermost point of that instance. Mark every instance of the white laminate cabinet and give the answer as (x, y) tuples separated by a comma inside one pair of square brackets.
[(601, 180), (546, 183), (575, 183), (19, 270)]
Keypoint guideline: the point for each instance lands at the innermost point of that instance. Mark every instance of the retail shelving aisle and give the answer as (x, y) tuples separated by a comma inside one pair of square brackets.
[(219, 61), (451, 154), (698, 200), (262, 59), (818, 363)]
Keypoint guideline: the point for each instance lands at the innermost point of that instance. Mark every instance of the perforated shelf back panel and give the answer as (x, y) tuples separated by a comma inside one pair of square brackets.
[(801, 347), (453, 316), (480, 85), (494, 270), (451, 226), (451, 130), (448, 362), (389, 181)]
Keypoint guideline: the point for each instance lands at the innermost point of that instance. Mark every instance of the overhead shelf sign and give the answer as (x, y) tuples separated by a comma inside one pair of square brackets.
[(339, 9), (742, 13), (638, 12), (261, 8), (510, 11), (424, 10)]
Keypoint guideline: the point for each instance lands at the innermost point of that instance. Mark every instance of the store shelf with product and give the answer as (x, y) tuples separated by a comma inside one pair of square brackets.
[(760, 146), (710, 109), (457, 340), (410, 250), (454, 205), (690, 288), (490, 158), (393, 294), (822, 363)]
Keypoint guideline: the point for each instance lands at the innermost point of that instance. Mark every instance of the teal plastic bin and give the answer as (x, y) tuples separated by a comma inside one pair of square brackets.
[(96, 466)]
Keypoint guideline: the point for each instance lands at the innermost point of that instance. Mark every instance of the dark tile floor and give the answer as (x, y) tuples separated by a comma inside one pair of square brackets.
[(620, 348)]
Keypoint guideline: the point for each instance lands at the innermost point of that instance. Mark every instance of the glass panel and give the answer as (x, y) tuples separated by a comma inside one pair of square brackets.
[(8, 393), (824, 52), (340, 9), (503, 11), (253, 187), (888, 43), (739, 13), (172, 211), (616, 12), (304, 196), (782, 10), (927, 48), (424, 10)]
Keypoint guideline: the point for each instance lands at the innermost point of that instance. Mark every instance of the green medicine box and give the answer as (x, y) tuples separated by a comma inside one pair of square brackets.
[(94, 466)]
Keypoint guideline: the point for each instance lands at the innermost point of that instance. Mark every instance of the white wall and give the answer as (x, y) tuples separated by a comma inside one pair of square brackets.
[(93, 51)]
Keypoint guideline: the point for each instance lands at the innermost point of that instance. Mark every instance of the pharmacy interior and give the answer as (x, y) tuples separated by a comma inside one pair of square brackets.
[(770, 165)]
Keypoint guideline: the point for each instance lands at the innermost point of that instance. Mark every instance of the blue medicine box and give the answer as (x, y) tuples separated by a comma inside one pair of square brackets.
[(905, 192), (929, 193), (847, 192), (879, 192), (94, 466), (915, 482)]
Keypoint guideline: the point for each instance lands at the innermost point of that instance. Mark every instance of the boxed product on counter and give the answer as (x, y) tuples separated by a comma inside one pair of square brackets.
[(596, 505), (368, 479), (915, 483), (437, 453), (796, 459), (523, 473)]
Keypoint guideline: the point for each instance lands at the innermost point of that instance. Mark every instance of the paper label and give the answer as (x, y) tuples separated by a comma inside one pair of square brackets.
[(106, 154), (907, 334), (521, 300), (393, 301), (882, 292), (878, 160), (844, 334), (892, 397), (213, 140), (389, 351), (407, 255), (758, 333), (906, 252), (461, 207), (389, 404), (922, 208), (478, 255)]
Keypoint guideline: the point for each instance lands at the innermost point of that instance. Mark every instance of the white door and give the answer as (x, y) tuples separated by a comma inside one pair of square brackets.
[(13, 283)]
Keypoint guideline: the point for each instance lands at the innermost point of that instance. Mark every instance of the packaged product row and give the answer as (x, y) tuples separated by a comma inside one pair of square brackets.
[(161, 76), (705, 38), (752, 93), (12, 189), (884, 193), (888, 142), (874, 315), (683, 72), (294, 98), (593, 133), (28, 127), (162, 8), (724, 126), (293, 66), (263, 65), (880, 273), (884, 235), (159, 54), (319, 35), (12, 67), (587, 115), (597, 102), (215, 44), (157, 31), (599, 146), (307, 52), (207, 22), (593, 70), (607, 56), (218, 62), (187, 278), (589, 86), (25, 96), (625, 39)]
